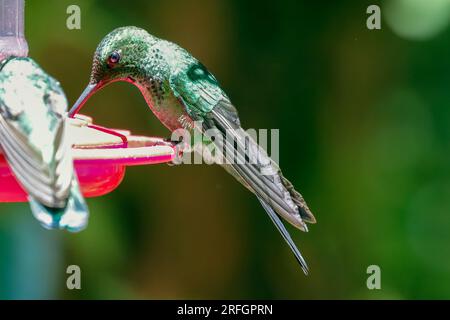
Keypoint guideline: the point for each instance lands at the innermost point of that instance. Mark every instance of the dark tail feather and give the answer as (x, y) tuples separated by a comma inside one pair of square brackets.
[(303, 209), (282, 229)]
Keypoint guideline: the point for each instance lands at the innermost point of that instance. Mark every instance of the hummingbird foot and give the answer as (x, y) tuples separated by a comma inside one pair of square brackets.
[(180, 147)]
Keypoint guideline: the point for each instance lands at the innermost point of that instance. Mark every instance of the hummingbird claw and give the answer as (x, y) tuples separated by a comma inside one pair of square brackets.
[(180, 147)]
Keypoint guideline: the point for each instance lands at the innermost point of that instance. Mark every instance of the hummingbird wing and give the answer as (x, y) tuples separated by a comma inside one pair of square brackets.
[(33, 132), (255, 165), (204, 100)]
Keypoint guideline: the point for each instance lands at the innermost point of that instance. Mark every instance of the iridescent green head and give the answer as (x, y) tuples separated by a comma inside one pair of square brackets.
[(120, 56)]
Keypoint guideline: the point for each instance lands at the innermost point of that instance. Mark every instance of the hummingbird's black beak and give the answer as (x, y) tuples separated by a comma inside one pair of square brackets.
[(87, 93)]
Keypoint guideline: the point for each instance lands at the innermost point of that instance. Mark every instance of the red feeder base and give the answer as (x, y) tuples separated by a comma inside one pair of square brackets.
[(101, 156)]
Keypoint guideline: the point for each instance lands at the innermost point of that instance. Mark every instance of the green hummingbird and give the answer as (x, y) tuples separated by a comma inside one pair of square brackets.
[(34, 140), (183, 94)]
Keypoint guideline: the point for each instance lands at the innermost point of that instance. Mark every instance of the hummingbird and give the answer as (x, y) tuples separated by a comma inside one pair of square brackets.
[(34, 140), (183, 94)]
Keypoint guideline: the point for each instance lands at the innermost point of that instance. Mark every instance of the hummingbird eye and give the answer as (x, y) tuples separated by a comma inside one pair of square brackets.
[(114, 58)]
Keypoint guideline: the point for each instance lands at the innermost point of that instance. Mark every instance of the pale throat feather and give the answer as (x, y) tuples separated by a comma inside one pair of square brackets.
[(166, 107)]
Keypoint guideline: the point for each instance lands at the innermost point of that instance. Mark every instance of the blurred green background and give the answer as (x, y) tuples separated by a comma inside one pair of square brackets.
[(364, 126)]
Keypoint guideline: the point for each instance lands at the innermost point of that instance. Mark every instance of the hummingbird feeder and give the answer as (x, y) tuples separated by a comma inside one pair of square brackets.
[(100, 154)]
